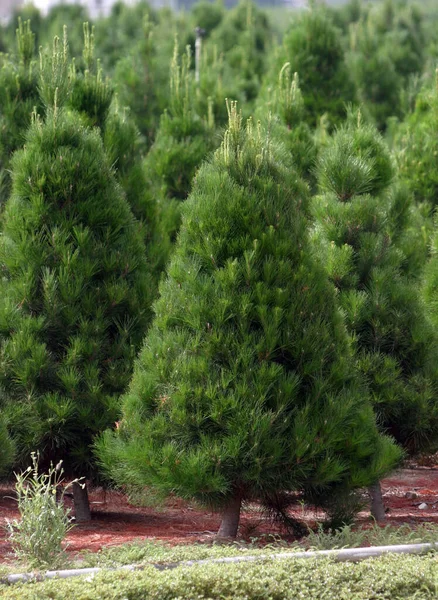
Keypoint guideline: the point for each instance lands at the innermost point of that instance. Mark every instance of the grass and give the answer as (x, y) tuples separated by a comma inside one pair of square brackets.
[(151, 551), (391, 577)]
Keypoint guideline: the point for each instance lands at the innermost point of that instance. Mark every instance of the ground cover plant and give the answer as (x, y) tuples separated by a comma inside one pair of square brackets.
[(394, 577)]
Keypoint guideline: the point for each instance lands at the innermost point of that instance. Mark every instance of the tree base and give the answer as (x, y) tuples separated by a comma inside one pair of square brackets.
[(377, 506), (230, 520), (81, 503)]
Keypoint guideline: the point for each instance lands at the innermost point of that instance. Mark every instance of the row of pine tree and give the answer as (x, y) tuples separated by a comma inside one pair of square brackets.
[(218, 255)]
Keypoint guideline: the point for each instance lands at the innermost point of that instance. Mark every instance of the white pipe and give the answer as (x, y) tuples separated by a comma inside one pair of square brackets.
[(346, 554)]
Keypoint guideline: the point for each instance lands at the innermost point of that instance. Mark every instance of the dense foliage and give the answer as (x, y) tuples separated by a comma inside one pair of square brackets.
[(396, 344), (75, 294), (245, 386)]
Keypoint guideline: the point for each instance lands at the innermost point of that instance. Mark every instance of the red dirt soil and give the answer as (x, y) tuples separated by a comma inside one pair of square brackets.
[(115, 521)]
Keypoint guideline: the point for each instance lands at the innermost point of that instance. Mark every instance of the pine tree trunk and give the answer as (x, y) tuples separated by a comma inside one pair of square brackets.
[(230, 518), (377, 506), (81, 503)]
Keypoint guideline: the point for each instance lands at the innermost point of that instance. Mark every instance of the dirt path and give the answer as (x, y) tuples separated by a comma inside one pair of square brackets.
[(115, 521)]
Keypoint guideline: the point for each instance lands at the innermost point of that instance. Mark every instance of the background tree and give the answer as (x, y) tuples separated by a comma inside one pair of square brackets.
[(244, 388), (416, 148), (313, 48), (386, 55), (244, 37), (77, 292), (282, 106), (18, 97), (395, 342), (183, 140)]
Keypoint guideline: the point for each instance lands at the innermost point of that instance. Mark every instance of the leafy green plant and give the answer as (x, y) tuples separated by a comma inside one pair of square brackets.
[(349, 537), (394, 577), (37, 538)]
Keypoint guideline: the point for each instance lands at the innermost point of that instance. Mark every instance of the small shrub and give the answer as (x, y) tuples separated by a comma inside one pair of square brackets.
[(37, 538)]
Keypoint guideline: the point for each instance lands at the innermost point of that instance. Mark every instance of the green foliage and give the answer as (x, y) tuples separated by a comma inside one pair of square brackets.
[(387, 49), (245, 383), (76, 293), (395, 577), (244, 37), (55, 77), (37, 538), (395, 343), (141, 82), (282, 106), (431, 280), (417, 149), (313, 48), (91, 94), (124, 148), (390, 535), (207, 15), (7, 448), (121, 30), (18, 97), (183, 140)]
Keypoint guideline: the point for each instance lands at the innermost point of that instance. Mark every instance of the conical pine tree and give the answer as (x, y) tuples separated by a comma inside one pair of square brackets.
[(312, 46), (244, 388), (18, 97), (244, 37), (76, 299), (183, 140), (282, 104), (416, 143), (395, 343)]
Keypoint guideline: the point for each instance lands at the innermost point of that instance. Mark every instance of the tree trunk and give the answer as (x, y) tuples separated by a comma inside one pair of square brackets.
[(230, 518), (377, 506), (81, 503)]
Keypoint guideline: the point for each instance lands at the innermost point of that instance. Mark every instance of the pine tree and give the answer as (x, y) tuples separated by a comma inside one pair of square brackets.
[(244, 37), (140, 82), (431, 280), (18, 97), (283, 106), (416, 143), (91, 93), (124, 148), (395, 343), (313, 48), (386, 51), (183, 140), (76, 297), (244, 388)]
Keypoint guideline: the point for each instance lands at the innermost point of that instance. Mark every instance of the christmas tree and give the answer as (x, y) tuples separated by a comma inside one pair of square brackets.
[(183, 140), (282, 106), (245, 388), (395, 342), (77, 293), (244, 37), (416, 143), (313, 48), (18, 97)]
